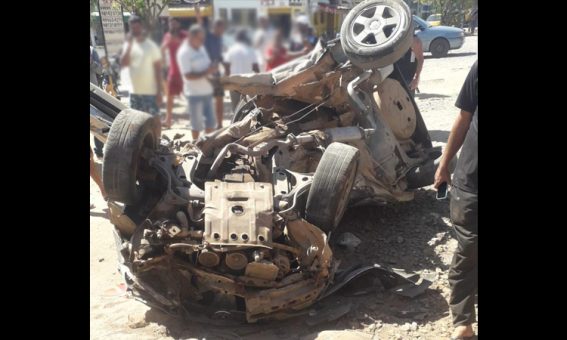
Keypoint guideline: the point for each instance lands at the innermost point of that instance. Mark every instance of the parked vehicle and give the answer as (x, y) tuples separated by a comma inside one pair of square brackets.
[(438, 39), (434, 20)]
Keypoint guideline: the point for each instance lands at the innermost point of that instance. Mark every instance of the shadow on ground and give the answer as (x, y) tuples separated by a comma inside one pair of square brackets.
[(401, 235), (439, 135), (422, 95), (451, 55)]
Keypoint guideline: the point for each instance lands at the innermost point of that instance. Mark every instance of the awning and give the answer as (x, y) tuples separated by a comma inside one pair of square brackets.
[(189, 11), (97, 14), (279, 10)]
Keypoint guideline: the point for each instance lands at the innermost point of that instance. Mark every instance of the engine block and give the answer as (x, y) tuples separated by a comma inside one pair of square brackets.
[(238, 213)]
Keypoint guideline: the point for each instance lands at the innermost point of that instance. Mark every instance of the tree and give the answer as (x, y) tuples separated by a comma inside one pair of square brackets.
[(148, 10), (452, 11)]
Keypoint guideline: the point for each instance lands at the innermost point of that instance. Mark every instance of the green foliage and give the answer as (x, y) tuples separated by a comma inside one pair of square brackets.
[(148, 10), (453, 12)]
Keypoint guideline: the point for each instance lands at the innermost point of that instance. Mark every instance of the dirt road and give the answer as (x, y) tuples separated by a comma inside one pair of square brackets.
[(414, 236)]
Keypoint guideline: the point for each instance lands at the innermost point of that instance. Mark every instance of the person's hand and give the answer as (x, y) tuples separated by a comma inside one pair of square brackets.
[(414, 83), (441, 175), (212, 69)]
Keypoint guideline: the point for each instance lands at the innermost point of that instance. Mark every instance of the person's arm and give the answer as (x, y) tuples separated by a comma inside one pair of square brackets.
[(467, 102), (95, 62), (270, 54), (417, 48), (164, 45), (158, 74), (229, 60), (184, 63), (199, 75), (96, 58), (254, 59), (198, 15), (125, 58), (456, 140)]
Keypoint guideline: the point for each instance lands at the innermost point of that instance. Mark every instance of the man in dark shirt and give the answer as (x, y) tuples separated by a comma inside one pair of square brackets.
[(463, 274), (411, 64), (214, 46)]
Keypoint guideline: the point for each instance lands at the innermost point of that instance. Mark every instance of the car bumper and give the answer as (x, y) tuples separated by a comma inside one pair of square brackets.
[(455, 43)]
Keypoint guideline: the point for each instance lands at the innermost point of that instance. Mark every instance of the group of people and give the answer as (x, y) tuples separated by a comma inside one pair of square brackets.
[(194, 58)]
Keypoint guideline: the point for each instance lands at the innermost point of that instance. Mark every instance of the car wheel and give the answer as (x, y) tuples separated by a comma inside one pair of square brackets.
[(439, 48), (377, 33), (332, 183), (123, 167)]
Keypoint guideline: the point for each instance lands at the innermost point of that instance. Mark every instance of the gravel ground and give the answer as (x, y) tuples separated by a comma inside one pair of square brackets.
[(415, 236)]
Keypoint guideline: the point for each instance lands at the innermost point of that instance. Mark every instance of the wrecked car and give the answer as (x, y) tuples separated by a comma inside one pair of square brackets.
[(240, 219)]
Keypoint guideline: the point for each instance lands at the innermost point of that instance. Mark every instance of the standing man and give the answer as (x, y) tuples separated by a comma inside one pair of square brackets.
[(171, 42), (143, 58), (96, 67), (262, 39), (302, 34), (196, 67), (277, 54), (213, 45), (474, 21), (240, 59), (411, 64), (463, 274)]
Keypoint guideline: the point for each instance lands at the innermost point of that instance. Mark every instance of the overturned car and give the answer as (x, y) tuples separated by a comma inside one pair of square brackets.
[(240, 220)]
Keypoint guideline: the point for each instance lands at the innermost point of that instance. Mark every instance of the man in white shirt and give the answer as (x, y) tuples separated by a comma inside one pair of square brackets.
[(195, 66), (262, 39), (143, 58), (240, 59)]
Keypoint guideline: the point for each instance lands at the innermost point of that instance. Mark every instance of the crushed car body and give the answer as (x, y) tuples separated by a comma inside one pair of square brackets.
[(241, 218)]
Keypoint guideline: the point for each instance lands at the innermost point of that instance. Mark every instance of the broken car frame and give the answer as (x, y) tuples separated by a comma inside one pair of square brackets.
[(240, 219)]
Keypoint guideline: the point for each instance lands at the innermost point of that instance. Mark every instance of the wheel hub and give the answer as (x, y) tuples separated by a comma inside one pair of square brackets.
[(375, 25)]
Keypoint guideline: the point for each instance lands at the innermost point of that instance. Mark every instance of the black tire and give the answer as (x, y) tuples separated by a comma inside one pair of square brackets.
[(439, 48), (130, 133), (329, 193), (366, 52)]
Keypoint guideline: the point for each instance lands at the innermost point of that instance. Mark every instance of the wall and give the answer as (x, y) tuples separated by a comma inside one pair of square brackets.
[(229, 5)]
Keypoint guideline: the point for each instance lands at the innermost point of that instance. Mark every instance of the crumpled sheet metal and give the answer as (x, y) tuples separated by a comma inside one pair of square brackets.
[(260, 303), (397, 281)]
